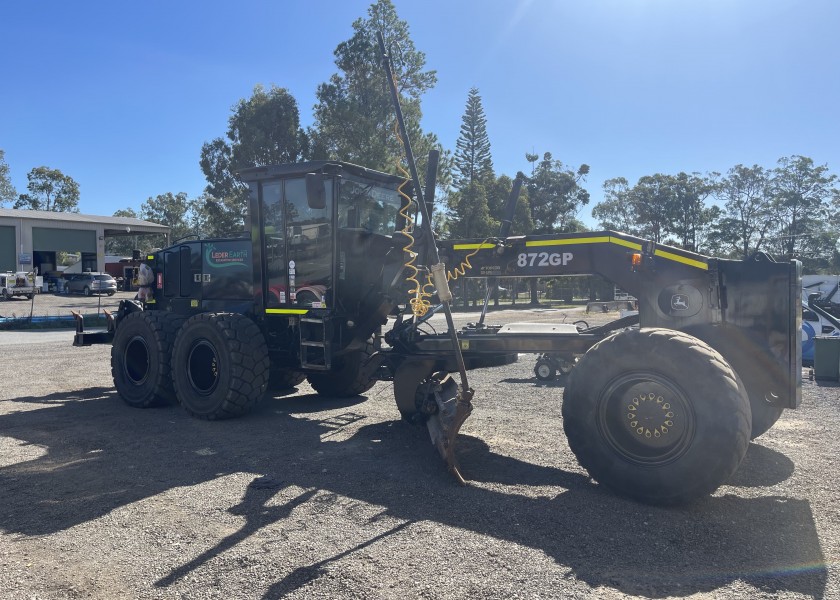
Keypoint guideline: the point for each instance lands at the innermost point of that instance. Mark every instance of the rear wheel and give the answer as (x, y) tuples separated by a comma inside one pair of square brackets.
[(86, 291), (755, 366), (284, 379), (219, 365), (141, 357), (351, 375), (656, 415)]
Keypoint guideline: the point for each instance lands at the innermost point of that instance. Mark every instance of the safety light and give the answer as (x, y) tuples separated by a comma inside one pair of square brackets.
[(636, 259)]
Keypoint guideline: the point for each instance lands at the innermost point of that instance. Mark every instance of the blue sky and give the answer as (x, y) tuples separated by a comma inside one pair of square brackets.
[(121, 95)]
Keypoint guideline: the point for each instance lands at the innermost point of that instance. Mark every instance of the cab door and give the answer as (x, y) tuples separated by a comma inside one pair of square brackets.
[(298, 245)]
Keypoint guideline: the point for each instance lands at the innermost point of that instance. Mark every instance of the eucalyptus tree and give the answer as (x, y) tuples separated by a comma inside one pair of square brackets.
[(51, 190), (802, 192), (555, 194), (262, 130), (748, 218), (693, 219), (7, 189)]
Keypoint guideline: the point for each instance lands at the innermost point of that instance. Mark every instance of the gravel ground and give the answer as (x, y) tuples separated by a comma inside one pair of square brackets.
[(60, 304), (312, 497)]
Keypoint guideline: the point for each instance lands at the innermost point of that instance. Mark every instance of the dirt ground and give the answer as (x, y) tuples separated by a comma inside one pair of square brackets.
[(312, 497)]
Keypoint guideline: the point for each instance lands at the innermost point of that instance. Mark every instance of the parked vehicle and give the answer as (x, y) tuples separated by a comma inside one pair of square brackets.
[(92, 283), (662, 413), (19, 284), (813, 325)]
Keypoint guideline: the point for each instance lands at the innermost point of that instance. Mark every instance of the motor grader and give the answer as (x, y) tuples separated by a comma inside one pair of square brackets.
[(341, 269), (659, 406)]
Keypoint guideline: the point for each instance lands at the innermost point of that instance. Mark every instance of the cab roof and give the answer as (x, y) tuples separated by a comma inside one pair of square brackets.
[(329, 167)]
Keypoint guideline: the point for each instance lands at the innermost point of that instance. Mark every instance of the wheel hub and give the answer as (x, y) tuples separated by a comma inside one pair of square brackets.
[(203, 367), (650, 416), (646, 419), (136, 360)]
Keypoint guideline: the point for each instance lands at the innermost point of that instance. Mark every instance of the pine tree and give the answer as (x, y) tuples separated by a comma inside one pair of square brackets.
[(473, 174), (473, 163)]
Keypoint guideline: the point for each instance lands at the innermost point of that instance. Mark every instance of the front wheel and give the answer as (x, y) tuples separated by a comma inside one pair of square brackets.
[(141, 355), (656, 415), (86, 291), (219, 365)]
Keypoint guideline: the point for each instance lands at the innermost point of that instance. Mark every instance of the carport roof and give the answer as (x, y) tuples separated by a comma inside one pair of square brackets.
[(111, 224)]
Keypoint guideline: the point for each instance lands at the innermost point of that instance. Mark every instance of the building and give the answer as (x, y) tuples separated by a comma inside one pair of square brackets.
[(31, 239)]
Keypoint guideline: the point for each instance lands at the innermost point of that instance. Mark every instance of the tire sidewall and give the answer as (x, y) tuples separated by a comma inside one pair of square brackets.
[(715, 442), (198, 330), (137, 325), (242, 365)]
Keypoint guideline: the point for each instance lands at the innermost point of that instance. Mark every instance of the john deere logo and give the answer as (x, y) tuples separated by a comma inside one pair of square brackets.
[(679, 302)]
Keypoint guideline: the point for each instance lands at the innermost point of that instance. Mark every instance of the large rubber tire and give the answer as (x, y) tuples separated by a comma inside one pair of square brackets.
[(141, 358), (86, 291), (219, 365), (753, 363), (656, 415), (284, 379), (347, 378)]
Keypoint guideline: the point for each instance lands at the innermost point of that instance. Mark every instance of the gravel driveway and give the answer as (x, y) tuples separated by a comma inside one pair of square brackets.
[(311, 497)]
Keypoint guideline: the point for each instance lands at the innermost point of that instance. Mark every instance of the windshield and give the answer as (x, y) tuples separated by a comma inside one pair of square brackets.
[(367, 205)]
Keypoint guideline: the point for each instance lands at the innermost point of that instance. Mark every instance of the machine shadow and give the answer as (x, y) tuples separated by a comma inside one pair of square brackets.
[(99, 454)]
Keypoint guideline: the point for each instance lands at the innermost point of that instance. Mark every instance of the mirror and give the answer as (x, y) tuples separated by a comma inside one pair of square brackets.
[(316, 194)]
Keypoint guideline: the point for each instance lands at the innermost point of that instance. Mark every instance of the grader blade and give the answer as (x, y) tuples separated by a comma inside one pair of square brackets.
[(453, 406)]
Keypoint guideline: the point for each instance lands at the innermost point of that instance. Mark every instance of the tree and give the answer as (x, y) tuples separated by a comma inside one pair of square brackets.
[(49, 189), (212, 216), (617, 212), (263, 130), (555, 194), (354, 114), (123, 245), (748, 216), (801, 193), (473, 162), (7, 190), (652, 199), (497, 196), (171, 210), (470, 216), (693, 220), (473, 173)]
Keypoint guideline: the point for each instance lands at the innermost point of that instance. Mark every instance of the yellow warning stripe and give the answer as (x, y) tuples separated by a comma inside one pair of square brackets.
[(286, 311), (566, 242), (682, 259), (473, 246)]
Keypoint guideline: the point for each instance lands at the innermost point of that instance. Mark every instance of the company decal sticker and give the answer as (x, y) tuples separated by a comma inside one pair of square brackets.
[(219, 258)]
